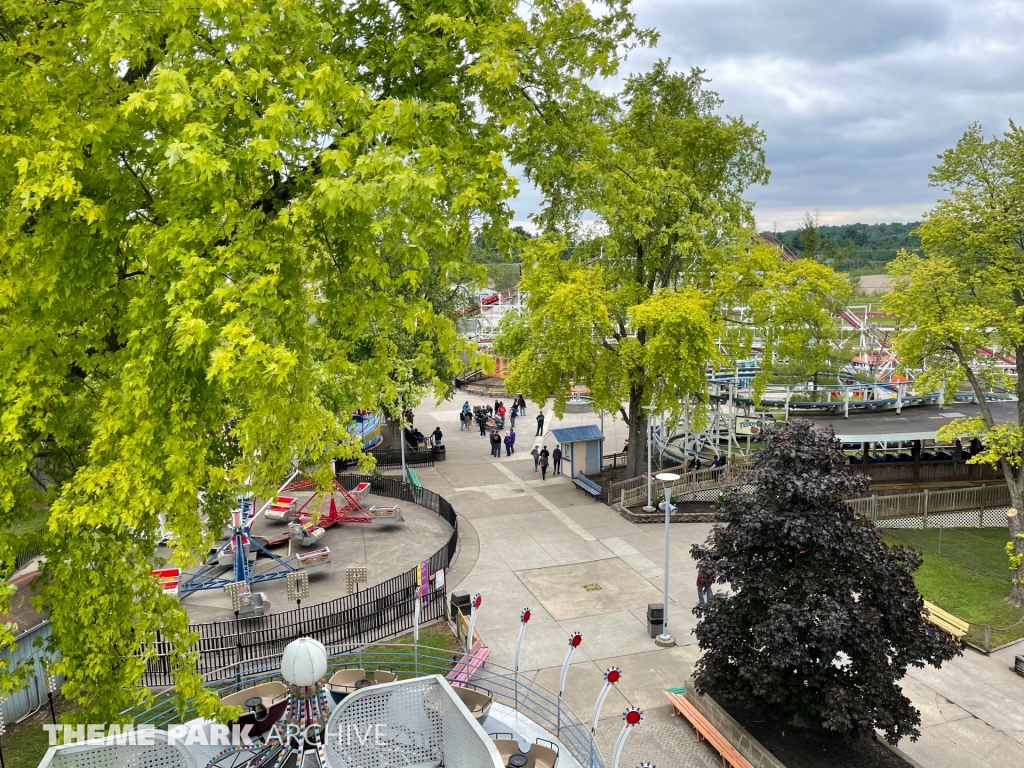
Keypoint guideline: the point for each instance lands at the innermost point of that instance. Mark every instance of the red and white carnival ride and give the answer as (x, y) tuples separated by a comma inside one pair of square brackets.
[(307, 526)]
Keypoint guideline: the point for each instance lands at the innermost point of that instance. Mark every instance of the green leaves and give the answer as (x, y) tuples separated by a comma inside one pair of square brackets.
[(821, 619), (965, 295), (225, 227), (637, 314)]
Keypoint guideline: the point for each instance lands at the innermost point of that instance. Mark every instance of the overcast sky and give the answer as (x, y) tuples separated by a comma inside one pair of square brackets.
[(856, 97)]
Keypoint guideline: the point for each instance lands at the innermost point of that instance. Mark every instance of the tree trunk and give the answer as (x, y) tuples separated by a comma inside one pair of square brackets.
[(1014, 477), (1015, 522), (636, 462)]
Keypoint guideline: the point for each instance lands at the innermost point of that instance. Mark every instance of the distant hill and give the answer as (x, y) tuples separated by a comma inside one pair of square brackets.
[(872, 246)]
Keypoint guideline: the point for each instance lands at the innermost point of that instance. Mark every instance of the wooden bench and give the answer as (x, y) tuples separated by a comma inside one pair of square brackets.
[(467, 667), (588, 486), (946, 621), (705, 730)]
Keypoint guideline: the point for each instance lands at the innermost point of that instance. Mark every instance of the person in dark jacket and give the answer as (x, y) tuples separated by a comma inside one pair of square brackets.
[(556, 460), (540, 424), (705, 578), (544, 464), (495, 444), (522, 405), (438, 437), (482, 421)]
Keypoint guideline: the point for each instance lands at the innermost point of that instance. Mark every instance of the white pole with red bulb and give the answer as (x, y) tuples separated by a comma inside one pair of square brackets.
[(574, 642), (612, 675), (632, 717), (524, 619)]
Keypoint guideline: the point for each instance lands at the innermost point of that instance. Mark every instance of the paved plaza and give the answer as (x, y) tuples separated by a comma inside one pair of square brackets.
[(527, 542)]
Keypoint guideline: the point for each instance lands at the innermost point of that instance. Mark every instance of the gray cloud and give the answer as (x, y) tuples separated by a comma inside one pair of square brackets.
[(857, 97), (809, 29)]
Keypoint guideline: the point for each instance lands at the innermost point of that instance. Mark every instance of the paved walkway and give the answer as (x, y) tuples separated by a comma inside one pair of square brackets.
[(538, 542)]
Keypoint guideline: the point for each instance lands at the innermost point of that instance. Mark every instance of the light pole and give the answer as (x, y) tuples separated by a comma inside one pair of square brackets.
[(665, 640), (298, 590), (650, 433), (401, 440), (51, 688)]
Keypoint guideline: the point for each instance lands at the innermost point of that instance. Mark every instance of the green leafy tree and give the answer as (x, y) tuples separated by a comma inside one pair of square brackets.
[(965, 295), (639, 314), (822, 620), (224, 226), (824, 250)]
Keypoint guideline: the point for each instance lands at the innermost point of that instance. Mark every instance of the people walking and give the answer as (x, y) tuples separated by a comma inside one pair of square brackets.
[(543, 464), (438, 437), (512, 414), (705, 578), (556, 459), (495, 444), (540, 424), (536, 458)]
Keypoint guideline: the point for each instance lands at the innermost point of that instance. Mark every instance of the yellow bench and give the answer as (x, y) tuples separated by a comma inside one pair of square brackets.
[(946, 621)]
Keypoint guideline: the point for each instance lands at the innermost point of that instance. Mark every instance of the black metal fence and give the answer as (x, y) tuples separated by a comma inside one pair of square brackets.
[(25, 557), (234, 649), (391, 458)]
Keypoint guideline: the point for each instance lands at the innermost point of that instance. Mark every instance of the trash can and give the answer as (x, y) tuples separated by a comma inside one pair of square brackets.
[(460, 603), (438, 453), (655, 619)]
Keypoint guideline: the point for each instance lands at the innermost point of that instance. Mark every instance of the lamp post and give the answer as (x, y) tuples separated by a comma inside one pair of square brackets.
[(665, 640), (51, 688), (3, 730), (401, 440), (298, 590), (235, 591), (650, 433)]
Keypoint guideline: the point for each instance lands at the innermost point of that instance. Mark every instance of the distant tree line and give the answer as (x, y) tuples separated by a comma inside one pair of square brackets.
[(860, 249), (503, 265)]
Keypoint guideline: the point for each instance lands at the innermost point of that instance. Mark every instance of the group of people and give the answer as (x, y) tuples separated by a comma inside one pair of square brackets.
[(542, 458), (509, 442), (491, 421), (696, 464)]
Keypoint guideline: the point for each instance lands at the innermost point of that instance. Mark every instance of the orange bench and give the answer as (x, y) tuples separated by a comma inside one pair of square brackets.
[(705, 730)]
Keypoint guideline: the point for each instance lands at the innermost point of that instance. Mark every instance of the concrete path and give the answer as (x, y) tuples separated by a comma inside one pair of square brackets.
[(538, 543)]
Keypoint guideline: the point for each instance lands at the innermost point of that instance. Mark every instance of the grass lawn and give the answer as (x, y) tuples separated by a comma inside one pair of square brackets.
[(964, 581), (24, 524), (392, 655), (980, 549), (25, 744)]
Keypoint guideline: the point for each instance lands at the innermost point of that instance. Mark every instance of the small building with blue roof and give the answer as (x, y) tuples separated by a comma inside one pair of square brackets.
[(582, 448)]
